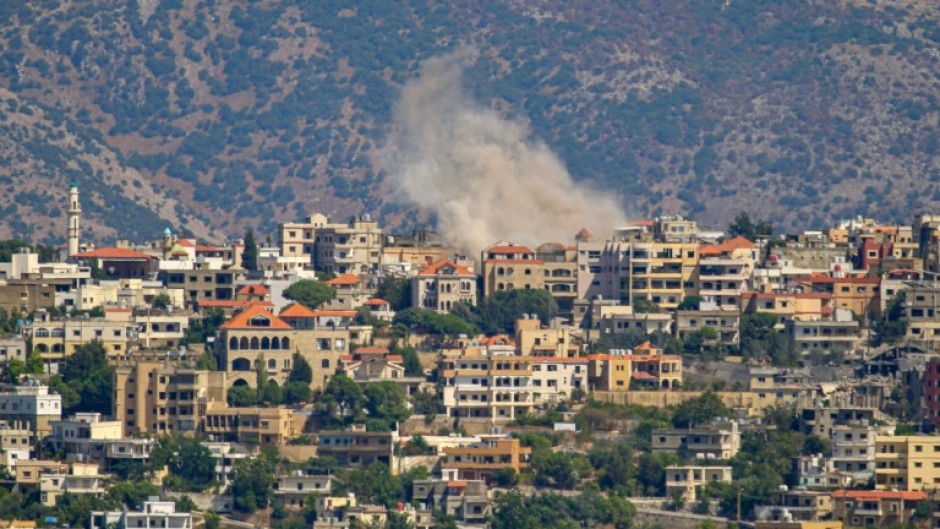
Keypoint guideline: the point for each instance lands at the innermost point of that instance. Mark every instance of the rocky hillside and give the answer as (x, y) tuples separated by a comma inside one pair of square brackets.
[(210, 115)]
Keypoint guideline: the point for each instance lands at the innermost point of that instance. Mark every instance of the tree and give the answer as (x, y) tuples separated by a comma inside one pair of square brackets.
[(690, 303), (206, 361), (744, 227), (90, 377), (430, 322), (699, 410), (893, 324), (342, 400), (386, 402), (300, 370), (34, 363), (396, 291), (272, 394), (250, 253), (253, 483), (645, 306), (242, 396), (499, 312), (161, 302), (15, 369), (186, 504), (310, 293), (296, 392), (190, 463), (412, 362), (427, 404), (213, 520)]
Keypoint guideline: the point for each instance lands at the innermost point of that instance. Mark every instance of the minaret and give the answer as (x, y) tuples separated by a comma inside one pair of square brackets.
[(75, 215)]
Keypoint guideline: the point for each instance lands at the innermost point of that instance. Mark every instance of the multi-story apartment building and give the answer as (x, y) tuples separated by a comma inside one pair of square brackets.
[(83, 436), (645, 365), (55, 340), (875, 508), (788, 306), (29, 473), (824, 336), (155, 513), (932, 391), (354, 248), (152, 397), (492, 383), (296, 240), (15, 444), (555, 378), (718, 440), (819, 473), (725, 322), (225, 455), (291, 490), (204, 282), (611, 319), (32, 407), (685, 479), (821, 421), (801, 505), (860, 295), (467, 501), (560, 268), (922, 311), (508, 266), (533, 339), (853, 449), (907, 462), (442, 285), (247, 425), (357, 447), (12, 349), (725, 270), (479, 461), (81, 479)]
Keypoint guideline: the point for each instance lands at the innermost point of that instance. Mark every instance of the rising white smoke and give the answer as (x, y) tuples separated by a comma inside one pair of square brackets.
[(483, 175)]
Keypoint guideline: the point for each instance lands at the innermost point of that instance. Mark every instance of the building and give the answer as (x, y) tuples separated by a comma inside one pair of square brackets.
[(612, 319), (487, 383), (717, 440), (644, 366), (507, 266), (822, 336), (685, 479), (354, 248), (875, 508), (555, 378), (12, 349), (32, 407), (860, 295), (907, 462), (725, 270), (292, 490), (84, 436), (932, 391), (119, 263), (853, 449), (534, 339), (560, 268), (15, 444), (467, 501), (204, 282), (155, 513), (82, 478), (357, 447), (788, 306), (442, 285), (296, 241), (247, 425), (156, 398), (225, 455), (798, 505), (922, 310), (725, 322), (55, 340), (479, 461)]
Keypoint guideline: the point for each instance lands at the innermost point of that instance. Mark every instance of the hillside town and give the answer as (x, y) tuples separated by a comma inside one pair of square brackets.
[(337, 375)]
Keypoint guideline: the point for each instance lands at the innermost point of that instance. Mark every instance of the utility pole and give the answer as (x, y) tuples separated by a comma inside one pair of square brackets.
[(739, 505)]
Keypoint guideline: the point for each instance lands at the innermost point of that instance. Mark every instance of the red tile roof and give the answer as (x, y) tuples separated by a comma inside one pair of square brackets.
[(186, 243), (880, 494), (113, 253), (727, 246), (514, 261), (434, 268), (253, 289), (643, 375), (242, 319), (297, 310), (223, 303), (509, 249), (334, 313), (366, 350), (343, 280), (375, 302), (837, 280), (202, 248), (499, 339)]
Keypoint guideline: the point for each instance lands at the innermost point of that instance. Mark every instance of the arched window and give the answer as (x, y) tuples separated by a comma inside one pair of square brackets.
[(233, 343), (241, 364), (285, 343), (275, 343), (56, 348), (243, 343), (254, 343), (41, 333), (265, 343), (42, 348)]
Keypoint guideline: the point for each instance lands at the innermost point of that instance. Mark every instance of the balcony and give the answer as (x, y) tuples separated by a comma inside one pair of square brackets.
[(867, 511)]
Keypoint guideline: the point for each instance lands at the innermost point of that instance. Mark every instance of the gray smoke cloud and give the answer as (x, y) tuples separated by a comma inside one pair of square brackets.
[(484, 176)]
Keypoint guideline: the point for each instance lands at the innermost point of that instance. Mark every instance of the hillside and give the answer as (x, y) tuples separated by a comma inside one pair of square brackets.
[(210, 116)]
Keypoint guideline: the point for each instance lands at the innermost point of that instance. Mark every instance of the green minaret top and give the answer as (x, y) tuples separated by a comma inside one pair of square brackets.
[(74, 184)]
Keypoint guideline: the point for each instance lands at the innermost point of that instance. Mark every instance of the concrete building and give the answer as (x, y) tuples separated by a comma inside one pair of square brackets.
[(907, 462), (875, 508), (357, 447), (15, 444), (83, 436), (643, 366), (685, 479), (155, 513), (354, 248), (479, 461), (12, 349), (204, 282), (853, 449), (718, 440), (467, 501), (622, 318), (555, 378), (32, 407), (487, 383), (225, 455), (821, 336), (442, 285), (292, 490), (247, 425), (508, 266), (560, 268), (81, 479), (56, 340), (725, 322), (860, 295), (534, 339), (799, 505)]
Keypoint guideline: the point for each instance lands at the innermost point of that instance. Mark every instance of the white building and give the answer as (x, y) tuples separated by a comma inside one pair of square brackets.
[(156, 513), (554, 378)]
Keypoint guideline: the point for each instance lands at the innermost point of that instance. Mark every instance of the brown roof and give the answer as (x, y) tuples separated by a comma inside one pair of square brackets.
[(515, 261), (186, 243), (435, 267), (375, 302), (727, 246), (510, 249), (113, 253), (258, 289), (297, 310), (233, 303), (880, 494), (242, 319), (345, 280)]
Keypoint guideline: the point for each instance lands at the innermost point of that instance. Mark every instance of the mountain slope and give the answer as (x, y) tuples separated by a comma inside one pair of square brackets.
[(224, 114)]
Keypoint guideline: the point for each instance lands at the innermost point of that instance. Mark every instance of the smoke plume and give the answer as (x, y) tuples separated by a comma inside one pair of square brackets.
[(482, 175)]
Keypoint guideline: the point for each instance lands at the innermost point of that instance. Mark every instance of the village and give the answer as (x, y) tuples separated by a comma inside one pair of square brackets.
[(337, 375)]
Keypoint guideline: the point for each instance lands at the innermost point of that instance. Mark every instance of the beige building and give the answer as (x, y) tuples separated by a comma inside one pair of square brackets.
[(12, 349), (487, 383), (81, 479), (556, 340), (621, 318), (357, 447), (204, 283), (875, 508), (55, 340), (298, 239), (799, 505), (907, 462), (248, 425), (508, 266), (555, 378), (643, 367), (685, 479), (726, 323), (442, 285), (82, 437), (718, 440), (292, 490), (160, 399), (354, 248), (479, 461), (560, 267)]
